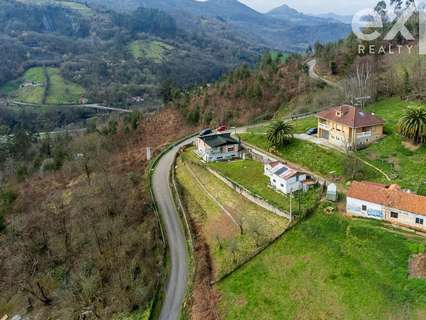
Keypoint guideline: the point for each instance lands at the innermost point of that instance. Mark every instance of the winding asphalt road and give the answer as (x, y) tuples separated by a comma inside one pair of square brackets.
[(178, 278), (313, 74)]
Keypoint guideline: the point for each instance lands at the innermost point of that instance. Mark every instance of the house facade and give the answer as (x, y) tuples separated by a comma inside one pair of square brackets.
[(286, 179), (349, 127), (389, 203), (218, 147)]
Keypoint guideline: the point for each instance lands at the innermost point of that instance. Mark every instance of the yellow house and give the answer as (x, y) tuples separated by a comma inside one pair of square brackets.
[(349, 127)]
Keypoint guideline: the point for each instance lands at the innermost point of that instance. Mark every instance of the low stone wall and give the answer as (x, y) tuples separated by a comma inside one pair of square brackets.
[(250, 196)]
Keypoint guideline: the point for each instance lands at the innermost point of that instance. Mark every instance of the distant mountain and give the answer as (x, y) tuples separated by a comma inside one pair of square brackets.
[(289, 14), (338, 18), (283, 28)]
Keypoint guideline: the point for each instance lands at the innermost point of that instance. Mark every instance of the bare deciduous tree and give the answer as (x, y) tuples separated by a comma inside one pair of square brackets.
[(360, 85)]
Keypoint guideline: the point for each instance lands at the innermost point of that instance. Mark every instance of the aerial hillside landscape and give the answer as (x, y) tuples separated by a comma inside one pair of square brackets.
[(179, 159)]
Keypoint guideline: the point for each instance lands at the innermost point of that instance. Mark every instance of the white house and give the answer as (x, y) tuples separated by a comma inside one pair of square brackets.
[(286, 179), (218, 147), (389, 203)]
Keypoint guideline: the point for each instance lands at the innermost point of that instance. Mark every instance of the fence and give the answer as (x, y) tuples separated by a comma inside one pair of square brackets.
[(250, 196)]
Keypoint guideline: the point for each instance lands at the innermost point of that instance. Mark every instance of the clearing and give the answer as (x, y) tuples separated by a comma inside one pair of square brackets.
[(155, 51), (329, 267), (32, 86), (231, 240)]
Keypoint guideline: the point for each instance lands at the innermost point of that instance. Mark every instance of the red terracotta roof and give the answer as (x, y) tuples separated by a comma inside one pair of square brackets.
[(389, 196), (351, 117)]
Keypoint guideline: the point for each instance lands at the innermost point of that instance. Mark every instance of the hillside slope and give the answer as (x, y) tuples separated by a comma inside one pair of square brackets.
[(268, 30)]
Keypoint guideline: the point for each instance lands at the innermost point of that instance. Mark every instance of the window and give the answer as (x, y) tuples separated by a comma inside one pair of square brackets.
[(364, 207), (419, 221), (274, 180), (394, 215), (282, 186), (230, 149)]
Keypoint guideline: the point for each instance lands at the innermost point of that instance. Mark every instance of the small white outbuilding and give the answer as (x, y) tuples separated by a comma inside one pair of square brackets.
[(332, 192)]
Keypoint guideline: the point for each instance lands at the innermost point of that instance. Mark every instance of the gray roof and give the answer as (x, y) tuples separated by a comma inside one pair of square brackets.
[(219, 140)]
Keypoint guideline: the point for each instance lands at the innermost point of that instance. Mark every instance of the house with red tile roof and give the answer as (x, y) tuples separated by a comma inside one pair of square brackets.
[(389, 203), (349, 127), (287, 179)]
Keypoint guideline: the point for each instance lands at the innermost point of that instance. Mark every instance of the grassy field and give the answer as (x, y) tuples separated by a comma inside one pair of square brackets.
[(60, 91), (80, 7), (228, 246), (324, 162), (300, 126), (329, 267), (249, 174), (407, 167), (150, 50), (32, 94)]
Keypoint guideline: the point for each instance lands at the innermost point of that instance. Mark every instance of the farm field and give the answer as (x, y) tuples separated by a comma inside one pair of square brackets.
[(249, 174), (62, 91), (79, 7), (150, 50), (329, 267), (59, 90), (234, 235)]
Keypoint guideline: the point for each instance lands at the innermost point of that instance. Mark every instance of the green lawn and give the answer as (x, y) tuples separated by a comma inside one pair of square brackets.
[(249, 174), (406, 167), (324, 162), (228, 247), (328, 267), (150, 50), (300, 126)]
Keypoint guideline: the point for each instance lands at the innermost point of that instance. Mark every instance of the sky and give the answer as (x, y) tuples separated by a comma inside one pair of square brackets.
[(314, 6)]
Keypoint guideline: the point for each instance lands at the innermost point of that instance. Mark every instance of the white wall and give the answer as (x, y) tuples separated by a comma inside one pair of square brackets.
[(287, 186), (374, 211)]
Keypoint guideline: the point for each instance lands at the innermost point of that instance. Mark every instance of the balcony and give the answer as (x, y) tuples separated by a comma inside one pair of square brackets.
[(323, 126), (366, 134)]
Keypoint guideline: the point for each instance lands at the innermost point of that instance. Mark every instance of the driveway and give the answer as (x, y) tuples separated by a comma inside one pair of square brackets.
[(319, 141)]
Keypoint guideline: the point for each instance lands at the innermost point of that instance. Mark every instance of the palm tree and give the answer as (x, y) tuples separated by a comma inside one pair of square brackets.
[(412, 125), (280, 133)]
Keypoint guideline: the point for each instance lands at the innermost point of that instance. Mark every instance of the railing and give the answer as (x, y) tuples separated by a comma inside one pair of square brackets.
[(324, 126), (364, 134)]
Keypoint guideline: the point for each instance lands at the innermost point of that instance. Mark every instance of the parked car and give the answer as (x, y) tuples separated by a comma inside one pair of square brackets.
[(222, 128), (312, 131), (206, 132)]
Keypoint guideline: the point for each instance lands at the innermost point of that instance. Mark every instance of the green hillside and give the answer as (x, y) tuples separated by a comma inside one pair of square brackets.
[(155, 51), (40, 86), (329, 267)]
